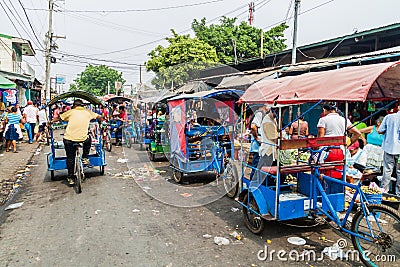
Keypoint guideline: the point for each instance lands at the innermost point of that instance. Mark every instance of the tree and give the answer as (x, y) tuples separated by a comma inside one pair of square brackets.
[(95, 79), (247, 39), (180, 61)]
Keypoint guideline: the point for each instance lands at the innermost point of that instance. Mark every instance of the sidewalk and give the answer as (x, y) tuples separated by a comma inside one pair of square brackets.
[(11, 163)]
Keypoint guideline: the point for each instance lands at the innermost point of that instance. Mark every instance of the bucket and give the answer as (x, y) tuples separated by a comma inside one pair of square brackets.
[(374, 198)]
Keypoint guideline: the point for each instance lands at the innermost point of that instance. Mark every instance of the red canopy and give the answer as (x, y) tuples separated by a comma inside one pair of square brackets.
[(373, 82)]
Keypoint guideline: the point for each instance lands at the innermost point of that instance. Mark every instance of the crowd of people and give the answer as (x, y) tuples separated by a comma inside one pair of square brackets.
[(15, 120)]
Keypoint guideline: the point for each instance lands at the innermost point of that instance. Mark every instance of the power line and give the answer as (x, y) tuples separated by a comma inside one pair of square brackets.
[(301, 13), (30, 24), (162, 39), (95, 59), (19, 20), (134, 10), (15, 27), (111, 25)]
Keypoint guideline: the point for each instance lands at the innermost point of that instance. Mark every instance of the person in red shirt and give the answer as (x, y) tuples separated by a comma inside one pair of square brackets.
[(123, 118)]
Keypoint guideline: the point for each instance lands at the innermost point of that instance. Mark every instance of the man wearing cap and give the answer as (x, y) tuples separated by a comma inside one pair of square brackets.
[(30, 115), (78, 119), (390, 127)]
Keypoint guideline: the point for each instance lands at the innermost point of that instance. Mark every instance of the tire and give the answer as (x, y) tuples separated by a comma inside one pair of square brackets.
[(47, 138), (387, 242), (78, 175), (152, 156), (52, 175), (230, 179), (177, 175), (128, 139), (101, 170), (253, 221)]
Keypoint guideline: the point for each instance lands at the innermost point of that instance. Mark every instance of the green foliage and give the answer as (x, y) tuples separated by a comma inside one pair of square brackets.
[(94, 79), (180, 61), (247, 39), (73, 87)]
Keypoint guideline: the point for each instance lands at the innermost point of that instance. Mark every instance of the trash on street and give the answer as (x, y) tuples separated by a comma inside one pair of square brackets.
[(14, 206)]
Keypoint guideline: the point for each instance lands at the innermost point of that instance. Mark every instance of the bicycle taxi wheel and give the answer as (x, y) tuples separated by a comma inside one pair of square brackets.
[(383, 247)]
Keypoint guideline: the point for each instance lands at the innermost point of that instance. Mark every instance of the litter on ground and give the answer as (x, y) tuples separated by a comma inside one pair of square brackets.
[(14, 206)]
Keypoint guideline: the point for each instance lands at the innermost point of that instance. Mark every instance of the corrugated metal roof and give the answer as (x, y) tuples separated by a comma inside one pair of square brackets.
[(243, 79)]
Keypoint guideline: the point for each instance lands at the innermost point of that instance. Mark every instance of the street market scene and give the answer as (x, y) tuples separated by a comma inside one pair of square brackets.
[(264, 133)]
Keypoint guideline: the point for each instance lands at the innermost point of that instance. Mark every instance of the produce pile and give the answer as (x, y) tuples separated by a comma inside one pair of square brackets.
[(371, 190)]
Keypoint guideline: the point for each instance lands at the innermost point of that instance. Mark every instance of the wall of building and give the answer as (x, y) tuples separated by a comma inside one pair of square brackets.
[(6, 61)]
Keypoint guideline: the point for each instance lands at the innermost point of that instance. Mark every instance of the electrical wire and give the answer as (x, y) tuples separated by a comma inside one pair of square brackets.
[(95, 59), (134, 10), (20, 21), (112, 25), (12, 22), (300, 13), (30, 24), (162, 39)]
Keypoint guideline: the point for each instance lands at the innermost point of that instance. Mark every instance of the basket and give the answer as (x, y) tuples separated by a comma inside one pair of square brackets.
[(390, 203)]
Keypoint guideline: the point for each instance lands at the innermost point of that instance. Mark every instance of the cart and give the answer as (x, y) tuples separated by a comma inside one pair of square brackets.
[(201, 132), (128, 128), (145, 120), (56, 162), (310, 189)]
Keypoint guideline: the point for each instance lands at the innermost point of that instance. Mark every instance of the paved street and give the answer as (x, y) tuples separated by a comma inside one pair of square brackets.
[(117, 220)]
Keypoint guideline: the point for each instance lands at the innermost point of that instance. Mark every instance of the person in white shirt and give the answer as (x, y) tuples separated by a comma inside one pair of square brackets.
[(30, 115), (42, 118), (332, 124)]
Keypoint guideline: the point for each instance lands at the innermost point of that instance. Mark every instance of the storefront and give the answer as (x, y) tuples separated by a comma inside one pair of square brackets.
[(8, 93)]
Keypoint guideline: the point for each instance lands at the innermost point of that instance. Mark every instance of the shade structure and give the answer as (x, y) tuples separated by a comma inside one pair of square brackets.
[(6, 83), (78, 94), (357, 83)]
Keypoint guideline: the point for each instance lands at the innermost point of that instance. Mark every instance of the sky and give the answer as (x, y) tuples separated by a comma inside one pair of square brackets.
[(123, 32)]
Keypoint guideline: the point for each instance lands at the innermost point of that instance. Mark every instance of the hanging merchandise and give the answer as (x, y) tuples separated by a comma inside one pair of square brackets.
[(371, 106), (10, 96)]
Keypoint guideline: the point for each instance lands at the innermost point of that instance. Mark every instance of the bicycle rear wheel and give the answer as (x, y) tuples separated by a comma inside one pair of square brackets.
[(384, 247), (107, 142), (78, 174)]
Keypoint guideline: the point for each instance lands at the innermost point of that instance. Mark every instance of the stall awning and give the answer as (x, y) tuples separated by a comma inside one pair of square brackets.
[(209, 94), (6, 83), (357, 83)]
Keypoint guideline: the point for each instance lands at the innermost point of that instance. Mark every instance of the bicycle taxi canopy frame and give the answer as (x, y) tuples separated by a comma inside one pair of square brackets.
[(78, 94), (350, 84), (182, 152), (59, 163)]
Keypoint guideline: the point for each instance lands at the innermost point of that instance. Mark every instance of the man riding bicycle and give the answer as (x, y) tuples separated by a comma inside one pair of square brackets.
[(78, 119)]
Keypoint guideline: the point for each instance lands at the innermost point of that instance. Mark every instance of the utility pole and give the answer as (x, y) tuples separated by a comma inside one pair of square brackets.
[(262, 44), (49, 37), (140, 74), (108, 87), (294, 49)]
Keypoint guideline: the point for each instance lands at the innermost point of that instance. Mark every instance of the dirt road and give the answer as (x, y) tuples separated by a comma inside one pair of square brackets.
[(115, 222)]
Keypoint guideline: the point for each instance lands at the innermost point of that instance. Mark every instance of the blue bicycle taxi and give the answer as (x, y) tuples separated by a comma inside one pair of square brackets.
[(56, 159), (201, 135)]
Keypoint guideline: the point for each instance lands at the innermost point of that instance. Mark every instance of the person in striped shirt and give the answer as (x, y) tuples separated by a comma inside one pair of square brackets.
[(13, 130)]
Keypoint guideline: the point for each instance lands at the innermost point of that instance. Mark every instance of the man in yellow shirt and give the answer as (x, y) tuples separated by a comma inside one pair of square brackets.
[(78, 119)]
